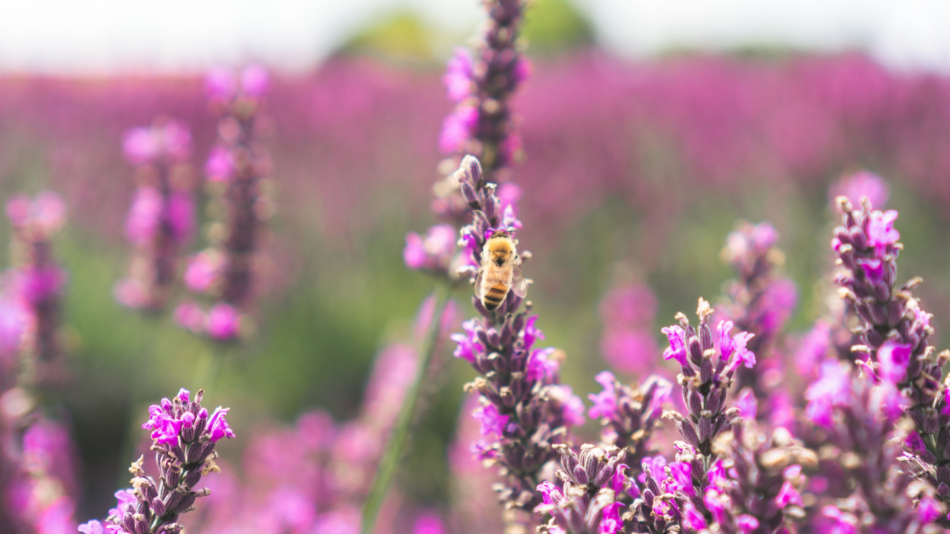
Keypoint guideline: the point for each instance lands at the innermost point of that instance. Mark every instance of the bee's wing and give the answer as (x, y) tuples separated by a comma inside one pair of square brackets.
[(478, 284), (518, 284)]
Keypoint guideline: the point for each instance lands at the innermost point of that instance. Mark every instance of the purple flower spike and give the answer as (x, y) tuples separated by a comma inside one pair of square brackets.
[(161, 217), (758, 301), (592, 472), (892, 346), (629, 414), (237, 171), (525, 410), (34, 287), (184, 445), (481, 84)]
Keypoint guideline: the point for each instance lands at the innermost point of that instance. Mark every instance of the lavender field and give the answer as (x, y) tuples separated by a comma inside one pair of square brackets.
[(302, 247)]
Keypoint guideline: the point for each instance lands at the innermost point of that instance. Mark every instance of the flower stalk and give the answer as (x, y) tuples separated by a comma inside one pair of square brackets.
[(394, 448)]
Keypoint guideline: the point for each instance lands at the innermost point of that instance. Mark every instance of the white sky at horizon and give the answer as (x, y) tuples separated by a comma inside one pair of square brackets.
[(108, 36)]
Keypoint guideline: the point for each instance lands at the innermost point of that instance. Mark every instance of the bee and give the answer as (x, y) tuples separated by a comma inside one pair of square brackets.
[(499, 272)]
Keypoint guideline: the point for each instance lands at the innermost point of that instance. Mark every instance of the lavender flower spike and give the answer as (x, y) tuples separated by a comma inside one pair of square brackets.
[(678, 496), (586, 503), (525, 410), (481, 84), (37, 282), (161, 219), (758, 300), (706, 380), (184, 437), (895, 332), (628, 415), (237, 172)]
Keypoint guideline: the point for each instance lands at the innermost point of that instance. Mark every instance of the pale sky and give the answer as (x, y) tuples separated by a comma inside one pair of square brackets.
[(104, 36)]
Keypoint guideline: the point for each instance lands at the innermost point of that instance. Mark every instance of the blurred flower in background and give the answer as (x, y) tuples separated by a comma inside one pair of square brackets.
[(647, 132)]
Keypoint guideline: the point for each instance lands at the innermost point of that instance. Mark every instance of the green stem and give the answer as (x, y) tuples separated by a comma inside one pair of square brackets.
[(394, 448)]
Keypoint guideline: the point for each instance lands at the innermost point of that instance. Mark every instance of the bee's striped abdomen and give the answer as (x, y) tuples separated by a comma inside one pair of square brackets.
[(494, 296)]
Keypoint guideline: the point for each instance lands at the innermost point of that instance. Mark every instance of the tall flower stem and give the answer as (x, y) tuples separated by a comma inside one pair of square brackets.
[(394, 449)]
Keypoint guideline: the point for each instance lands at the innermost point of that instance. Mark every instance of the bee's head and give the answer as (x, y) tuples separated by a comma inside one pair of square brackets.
[(500, 247), (500, 233)]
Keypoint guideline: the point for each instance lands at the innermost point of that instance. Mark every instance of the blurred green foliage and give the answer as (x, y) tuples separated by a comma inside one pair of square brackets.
[(555, 25)]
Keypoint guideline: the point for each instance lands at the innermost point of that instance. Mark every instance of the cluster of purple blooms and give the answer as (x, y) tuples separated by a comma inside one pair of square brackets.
[(237, 172), (732, 472), (525, 410), (480, 83), (314, 476), (184, 436), (161, 218), (870, 454), (736, 468)]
